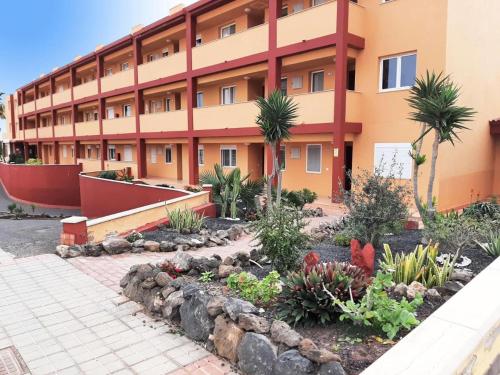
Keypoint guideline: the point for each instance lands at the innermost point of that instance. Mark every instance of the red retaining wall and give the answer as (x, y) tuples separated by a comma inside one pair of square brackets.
[(100, 197), (43, 185)]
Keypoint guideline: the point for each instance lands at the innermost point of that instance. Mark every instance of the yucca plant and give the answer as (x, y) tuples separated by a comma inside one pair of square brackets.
[(419, 265), (492, 246), (307, 294), (185, 220)]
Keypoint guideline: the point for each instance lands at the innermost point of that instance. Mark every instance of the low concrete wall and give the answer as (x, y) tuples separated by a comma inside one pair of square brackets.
[(100, 197), (461, 337), (43, 185)]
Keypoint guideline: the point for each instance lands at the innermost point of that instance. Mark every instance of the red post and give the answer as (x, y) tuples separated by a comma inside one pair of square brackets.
[(191, 101), (74, 231)]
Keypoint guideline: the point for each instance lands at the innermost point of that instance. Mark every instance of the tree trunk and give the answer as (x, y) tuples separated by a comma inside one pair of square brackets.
[(277, 171), (416, 168), (435, 149), (271, 178)]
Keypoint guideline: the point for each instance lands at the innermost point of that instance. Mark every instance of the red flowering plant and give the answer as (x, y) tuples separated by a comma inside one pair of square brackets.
[(171, 269)]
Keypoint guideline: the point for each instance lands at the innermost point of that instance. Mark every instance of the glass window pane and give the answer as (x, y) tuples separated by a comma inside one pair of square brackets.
[(408, 70), (284, 84), (233, 158), (314, 158), (317, 81), (389, 71), (283, 157)]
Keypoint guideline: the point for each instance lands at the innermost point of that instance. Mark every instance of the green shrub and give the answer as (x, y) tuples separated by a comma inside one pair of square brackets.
[(34, 161), (255, 291), (299, 198), (307, 293), (342, 239), (376, 204), (492, 244), (108, 175), (418, 265), (16, 159), (489, 210), (206, 277), (134, 236), (185, 220), (12, 207), (279, 232), (376, 309)]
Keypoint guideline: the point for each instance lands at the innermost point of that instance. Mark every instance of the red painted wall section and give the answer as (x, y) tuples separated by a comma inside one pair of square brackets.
[(43, 185), (100, 197)]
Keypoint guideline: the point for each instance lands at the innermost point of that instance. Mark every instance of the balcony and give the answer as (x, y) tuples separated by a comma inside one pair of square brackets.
[(61, 97), (30, 134), (114, 165), (229, 116), (117, 80), (29, 107), (315, 107), (164, 67), (164, 122), (89, 165), (122, 125), (356, 19), (63, 131), (323, 17), (353, 107), (45, 132), (87, 128), (43, 102), (85, 89), (245, 43)]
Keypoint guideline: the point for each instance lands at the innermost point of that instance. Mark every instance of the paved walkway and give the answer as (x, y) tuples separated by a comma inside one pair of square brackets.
[(64, 322)]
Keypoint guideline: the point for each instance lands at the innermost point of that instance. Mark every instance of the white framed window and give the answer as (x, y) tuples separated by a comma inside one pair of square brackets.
[(297, 82), (313, 158), (201, 155), (60, 88), (393, 158), (72, 151), (228, 95), (127, 153), (284, 11), (62, 120), (89, 152), (152, 57), (96, 116), (167, 105), (228, 30), (198, 41), (108, 72), (284, 85), (297, 7), (98, 152), (153, 154), (155, 106), (64, 151), (398, 72), (127, 110), (317, 81), (295, 153), (110, 113), (199, 99), (111, 152), (168, 155), (164, 52), (228, 156), (318, 2), (282, 157), (124, 66)]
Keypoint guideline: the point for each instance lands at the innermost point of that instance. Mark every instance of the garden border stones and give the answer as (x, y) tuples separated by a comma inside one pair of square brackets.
[(233, 328)]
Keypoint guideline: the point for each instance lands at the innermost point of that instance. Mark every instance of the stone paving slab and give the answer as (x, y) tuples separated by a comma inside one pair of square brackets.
[(62, 321)]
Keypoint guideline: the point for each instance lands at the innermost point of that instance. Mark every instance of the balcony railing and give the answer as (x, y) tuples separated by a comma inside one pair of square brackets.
[(43, 102), (63, 130), (29, 107), (122, 125), (228, 116), (89, 165), (85, 89), (297, 27), (87, 128), (315, 107), (61, 97), (118, 80), (30, 134), (164, 67), (164, 121), (45, 132), (245, 43)]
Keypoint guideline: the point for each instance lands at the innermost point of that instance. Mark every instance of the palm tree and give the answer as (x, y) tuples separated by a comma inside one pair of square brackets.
[(276, 118), (434, 101), (2, 107)]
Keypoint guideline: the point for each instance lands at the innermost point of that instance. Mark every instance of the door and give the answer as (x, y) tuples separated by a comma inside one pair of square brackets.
[(127, 153), (348, 166)]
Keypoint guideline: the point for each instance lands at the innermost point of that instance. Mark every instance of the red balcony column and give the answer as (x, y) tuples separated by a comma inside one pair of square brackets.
[(36, 95), (13, 129), (53, 121), (37, 124), (57, 159), (339, 116), (141, 158), (76, 147), (39, 153), (104, 152), (194, 170), (26, 149)]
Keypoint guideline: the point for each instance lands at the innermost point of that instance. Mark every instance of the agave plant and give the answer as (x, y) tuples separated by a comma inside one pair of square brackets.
[(492, 246)]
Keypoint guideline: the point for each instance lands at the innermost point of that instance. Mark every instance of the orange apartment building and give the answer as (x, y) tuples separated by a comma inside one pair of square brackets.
[(173, 98)]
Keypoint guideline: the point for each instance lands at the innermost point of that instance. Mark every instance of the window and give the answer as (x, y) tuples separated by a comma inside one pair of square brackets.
[(168, 155), (398, 72), (127, 110), (284, 11), (297, 82), (387, 154), (228, 95), (298, 7), (228, 156), (167, 105), (111, 152), (199, 99), (164, 52), (318, 2), (89, 152), (60, 88), (96, 116), (295, 153), (124, 66), (72, 151), (97, 152), (127, 153), (64, 151), (155, 106), (282, 157), (317, 81), (108, 72), (154, 154), (62, 120), (152, 58), (284, 85), (198, 40), (313, 162), (110, 113), (227, 30), (201, 155)]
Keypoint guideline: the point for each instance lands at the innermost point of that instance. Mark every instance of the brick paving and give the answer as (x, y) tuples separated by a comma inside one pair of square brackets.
[(62, 321)]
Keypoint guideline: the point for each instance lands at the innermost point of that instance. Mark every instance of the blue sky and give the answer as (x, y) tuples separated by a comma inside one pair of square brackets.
[(40, 35)]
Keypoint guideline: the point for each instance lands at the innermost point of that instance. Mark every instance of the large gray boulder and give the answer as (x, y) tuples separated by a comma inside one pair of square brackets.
[(331, 368), (116, 245), (134, 290), (167, 246), (195, 320), (283, 333), (68, 251), (291, 362), (182, 261), (234, 307), (227, 337), (256, 354), (172, 305)]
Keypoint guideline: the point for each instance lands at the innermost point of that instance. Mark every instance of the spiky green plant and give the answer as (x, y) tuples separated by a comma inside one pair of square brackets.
[(185, 220), (492, 244)]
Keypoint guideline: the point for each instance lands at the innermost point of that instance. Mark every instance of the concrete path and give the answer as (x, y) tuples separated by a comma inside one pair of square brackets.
[(64, 322)]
